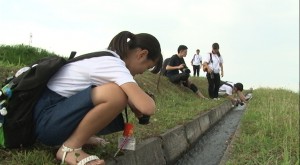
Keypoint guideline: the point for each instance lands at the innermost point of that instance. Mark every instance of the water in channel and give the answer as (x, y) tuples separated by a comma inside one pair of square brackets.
[(210, 148)]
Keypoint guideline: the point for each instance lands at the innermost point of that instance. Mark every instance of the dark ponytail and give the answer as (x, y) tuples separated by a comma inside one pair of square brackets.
[(125, 41), (120, 44)]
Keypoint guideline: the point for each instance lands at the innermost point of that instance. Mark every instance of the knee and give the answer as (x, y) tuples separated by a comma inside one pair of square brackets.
[(193, 88), (185, 76), (109, 93)]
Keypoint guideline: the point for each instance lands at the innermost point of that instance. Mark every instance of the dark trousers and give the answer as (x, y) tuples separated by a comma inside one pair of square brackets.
[(179, 77), (183, 78), (213, 84), (196, 69)]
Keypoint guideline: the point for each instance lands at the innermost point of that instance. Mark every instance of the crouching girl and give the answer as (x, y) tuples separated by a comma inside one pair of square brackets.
[(86, 96)]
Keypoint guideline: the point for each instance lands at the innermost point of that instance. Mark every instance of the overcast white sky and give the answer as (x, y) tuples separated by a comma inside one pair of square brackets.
[(259, 39)]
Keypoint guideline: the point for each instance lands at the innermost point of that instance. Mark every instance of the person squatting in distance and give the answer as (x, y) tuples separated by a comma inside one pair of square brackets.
[(229, 89)]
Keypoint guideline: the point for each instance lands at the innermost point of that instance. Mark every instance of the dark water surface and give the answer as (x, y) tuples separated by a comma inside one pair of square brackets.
[(211, 146)]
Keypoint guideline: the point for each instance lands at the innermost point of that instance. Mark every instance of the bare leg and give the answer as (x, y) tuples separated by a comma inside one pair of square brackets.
[(199, 94), (195, 89), (109, 101), (96, 141)]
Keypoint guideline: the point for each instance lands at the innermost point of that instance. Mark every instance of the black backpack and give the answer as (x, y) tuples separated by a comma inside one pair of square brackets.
[(163, 70), (19, 96)]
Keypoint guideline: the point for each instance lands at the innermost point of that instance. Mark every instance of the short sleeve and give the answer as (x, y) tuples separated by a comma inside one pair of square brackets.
[(221, 59), (206, 58), (172, 61), (114, 70)]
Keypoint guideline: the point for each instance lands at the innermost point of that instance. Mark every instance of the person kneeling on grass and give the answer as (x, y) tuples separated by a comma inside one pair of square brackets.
[(85, 98), (176, 64), (228, 89)]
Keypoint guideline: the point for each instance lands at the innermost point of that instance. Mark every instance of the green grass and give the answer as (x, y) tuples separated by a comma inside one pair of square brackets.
[(21, 54), (272, 114), (13, 57), (269, 129), (175, 105)]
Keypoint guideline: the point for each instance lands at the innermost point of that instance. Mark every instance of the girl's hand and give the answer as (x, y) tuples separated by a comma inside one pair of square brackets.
[(138, 100)]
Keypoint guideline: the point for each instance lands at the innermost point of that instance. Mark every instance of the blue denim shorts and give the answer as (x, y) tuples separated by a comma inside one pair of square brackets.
[(56, 117)]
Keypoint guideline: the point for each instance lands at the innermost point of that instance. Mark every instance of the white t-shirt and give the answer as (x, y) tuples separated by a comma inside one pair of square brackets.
[(228, 89), (77, 76), (197, 59), (216, 61)]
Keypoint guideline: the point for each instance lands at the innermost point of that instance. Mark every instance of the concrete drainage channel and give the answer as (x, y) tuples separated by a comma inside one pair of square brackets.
[(170, 146), (211, 147)]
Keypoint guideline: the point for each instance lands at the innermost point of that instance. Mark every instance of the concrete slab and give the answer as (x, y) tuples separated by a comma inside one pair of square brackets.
[(193, 130), (147, 152), (204, 122), (150, 151), (213, 118), (174, 143), (171, 145)]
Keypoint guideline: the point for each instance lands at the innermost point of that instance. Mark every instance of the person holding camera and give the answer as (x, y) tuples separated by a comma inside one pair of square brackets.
[(176, 64), (86, 98), (212, 65)]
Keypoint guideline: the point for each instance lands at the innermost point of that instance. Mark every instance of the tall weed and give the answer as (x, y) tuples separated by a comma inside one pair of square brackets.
[(269, 129)]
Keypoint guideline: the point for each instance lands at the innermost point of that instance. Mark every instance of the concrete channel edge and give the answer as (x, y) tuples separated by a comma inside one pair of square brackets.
[(168, 147)]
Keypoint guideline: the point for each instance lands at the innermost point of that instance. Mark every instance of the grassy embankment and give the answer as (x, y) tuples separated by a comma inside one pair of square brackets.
[(269, 131), (175, 105), (271, 122)]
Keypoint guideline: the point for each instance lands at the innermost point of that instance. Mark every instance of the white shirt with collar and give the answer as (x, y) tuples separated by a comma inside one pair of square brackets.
[(228, 89), (77, 76), (216, 61), (197, 59)]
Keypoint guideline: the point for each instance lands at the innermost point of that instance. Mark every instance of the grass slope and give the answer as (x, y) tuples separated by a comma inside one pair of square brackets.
[(269, 131), (175, 105)]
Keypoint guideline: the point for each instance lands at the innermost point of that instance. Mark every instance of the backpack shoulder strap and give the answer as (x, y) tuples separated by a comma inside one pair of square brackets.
[(72, 55), (226, 83), (89, 55), (210, 60), (193, 57)]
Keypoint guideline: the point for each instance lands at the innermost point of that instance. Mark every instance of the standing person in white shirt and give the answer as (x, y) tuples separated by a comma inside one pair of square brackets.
[(196, 63), (212, 65), (85, 97)]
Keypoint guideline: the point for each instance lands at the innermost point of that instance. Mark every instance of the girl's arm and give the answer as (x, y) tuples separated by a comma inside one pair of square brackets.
[(231, 98), (206, 68), (138, 100), (181, 66), (241, 96), (222, 72)]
